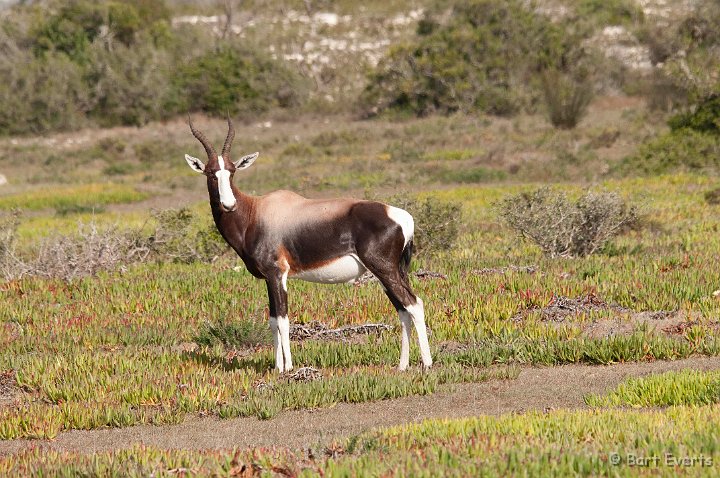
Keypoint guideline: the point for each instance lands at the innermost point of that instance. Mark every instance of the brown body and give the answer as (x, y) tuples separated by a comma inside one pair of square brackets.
[(283, 235)]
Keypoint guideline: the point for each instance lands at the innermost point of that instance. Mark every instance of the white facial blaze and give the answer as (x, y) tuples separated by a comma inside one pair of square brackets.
[(226, 195)]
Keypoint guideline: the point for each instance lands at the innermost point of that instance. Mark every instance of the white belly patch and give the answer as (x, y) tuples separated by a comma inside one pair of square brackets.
[(344, 269)]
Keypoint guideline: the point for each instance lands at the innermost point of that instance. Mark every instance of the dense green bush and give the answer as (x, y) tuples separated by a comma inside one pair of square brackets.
[(82, 61), (70, 30), (705, 117), (689, 53), (128, 18), (609, 12), (236, 80), (65, 65), (681, 150), (78, 23), (483, 58), (41, 95), (129, 83)]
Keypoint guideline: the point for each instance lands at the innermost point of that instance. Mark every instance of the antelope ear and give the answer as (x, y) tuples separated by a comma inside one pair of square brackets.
[(246, 161), (195, 163)]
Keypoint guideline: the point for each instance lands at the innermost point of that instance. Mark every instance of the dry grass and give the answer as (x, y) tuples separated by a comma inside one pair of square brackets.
[(324, 156)]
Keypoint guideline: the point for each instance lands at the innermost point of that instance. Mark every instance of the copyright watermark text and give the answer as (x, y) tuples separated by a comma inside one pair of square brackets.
[(665, 459)]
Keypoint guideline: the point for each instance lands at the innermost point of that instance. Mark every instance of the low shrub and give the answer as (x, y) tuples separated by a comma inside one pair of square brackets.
[(567, 97), (662, 42), (118, 169), (90, 251), (232, 333), (404, 152), (437, 223), (11, 265), (713, 196), (562, 228), (177, 238)]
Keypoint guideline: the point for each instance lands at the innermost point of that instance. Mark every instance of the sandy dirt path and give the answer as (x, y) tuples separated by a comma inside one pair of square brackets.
[(535, 388)]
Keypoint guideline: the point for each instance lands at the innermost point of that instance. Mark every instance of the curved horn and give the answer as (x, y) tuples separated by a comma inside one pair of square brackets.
[(201, 137), (229, 139)]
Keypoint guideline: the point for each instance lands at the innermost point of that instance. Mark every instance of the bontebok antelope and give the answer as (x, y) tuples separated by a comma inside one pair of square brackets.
[(283, 235)]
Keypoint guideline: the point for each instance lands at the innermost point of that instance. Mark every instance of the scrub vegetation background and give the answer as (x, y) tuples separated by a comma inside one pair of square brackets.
[(560, 158)]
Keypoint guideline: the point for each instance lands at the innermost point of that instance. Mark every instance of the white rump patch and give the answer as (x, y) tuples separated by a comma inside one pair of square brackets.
[(404, 220), (343, 269), (227, 198)]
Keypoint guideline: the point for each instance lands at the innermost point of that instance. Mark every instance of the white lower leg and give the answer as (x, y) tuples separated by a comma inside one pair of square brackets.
[(284, 328), (279, 363), (406, 323), (417, 312)]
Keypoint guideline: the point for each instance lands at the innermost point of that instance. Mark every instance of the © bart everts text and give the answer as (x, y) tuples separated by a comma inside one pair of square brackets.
[(666, 459)]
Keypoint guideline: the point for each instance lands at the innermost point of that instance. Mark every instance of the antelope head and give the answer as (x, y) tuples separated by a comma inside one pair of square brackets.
[(219, 170)]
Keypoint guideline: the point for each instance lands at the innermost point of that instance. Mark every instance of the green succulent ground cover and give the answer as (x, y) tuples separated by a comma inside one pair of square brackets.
[(80, 198), (688, 387), (110, 350), (115, 350), (558, 443)]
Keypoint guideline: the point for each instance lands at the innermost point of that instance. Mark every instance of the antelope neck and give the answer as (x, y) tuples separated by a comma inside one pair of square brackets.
[(233, 225)]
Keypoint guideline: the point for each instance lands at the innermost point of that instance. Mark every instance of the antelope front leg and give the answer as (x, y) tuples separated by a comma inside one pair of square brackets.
[(279, 324), (275, 332), (406, 324)]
